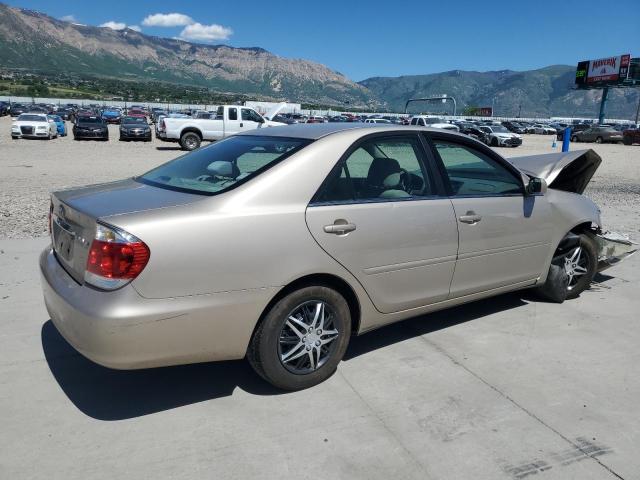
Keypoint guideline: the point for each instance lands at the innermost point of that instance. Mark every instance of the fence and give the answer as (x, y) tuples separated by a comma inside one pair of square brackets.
[(262, 107)]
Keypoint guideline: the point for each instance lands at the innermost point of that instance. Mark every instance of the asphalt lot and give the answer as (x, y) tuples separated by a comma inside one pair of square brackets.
[(509, 387)]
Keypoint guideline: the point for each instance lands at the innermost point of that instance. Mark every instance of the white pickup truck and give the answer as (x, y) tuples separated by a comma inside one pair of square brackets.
[(229, 120)]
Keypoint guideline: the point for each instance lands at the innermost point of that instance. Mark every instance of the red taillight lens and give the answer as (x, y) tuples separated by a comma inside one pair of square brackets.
[(115, 258)]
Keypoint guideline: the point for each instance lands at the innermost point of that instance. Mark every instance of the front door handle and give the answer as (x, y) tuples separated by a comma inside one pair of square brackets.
[(470, 217), (340, 227)]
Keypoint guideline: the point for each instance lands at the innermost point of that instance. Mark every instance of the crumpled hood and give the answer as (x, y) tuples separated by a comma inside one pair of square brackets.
[(273, 111), (568, 171)]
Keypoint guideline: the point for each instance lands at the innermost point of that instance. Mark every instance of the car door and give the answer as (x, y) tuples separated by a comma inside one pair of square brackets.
[(504, 235), (380, 216), (250, 119), (233, 121), (588, 135)]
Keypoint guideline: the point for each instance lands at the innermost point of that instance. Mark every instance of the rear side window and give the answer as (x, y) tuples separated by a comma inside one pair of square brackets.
[(233, 114), (222, 165), (472, 173), (379, 169)]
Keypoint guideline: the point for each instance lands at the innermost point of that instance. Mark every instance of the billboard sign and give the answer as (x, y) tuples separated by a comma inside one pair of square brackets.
[(603, 71), (479, 111)]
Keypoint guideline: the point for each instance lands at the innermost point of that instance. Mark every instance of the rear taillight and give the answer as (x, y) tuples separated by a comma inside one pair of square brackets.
[(115, 258)]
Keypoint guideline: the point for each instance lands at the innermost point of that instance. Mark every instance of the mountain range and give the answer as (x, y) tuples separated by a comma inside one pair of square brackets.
[(34, 41)]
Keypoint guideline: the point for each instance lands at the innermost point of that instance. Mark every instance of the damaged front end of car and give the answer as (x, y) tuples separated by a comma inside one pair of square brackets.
[(613, 248), (571, 172)]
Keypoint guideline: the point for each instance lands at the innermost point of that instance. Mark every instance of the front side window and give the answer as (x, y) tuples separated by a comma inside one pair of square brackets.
[(379, 169), (222, 165), (472, 173), (250, 116)]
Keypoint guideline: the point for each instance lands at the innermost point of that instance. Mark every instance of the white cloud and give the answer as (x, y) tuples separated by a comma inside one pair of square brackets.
[(205, 33), (114, 25), (68, 18), (167, 20), (135, 28)]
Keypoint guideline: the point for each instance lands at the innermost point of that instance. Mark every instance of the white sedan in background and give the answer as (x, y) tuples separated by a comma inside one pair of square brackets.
[(499, 136), (540, 129), (33, 125)]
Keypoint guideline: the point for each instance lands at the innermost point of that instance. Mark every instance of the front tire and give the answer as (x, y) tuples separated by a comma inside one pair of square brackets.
[(302, 338), (581, 264), (494, 142), (599, 140), (574, 139)]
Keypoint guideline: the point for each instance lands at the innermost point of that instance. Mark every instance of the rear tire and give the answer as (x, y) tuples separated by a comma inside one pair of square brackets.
[(627, 141), (298, 354), (190, 141)]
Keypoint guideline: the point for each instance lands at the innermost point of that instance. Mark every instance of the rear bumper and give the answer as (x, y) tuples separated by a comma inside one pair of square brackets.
[(163, 136), (123, 330)]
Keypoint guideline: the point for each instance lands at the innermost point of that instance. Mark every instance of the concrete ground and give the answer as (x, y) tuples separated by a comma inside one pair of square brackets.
[(509, 387)]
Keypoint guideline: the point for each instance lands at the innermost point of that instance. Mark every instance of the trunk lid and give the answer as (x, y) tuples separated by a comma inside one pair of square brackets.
[(568, 171), (75, 213)]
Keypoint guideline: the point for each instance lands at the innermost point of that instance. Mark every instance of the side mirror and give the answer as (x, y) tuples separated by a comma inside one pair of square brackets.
[(220, 168), (535, 186)]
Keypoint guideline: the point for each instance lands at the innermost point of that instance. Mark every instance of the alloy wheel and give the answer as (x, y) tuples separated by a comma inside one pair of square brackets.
[(576, 264), (307, 338)]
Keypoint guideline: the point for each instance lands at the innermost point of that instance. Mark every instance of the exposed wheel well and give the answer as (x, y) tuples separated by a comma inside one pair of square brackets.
[(191, 130), (584, 227), (325, 279)]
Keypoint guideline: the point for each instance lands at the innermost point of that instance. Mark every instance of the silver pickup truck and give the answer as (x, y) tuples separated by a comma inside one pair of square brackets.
[(229, 120)]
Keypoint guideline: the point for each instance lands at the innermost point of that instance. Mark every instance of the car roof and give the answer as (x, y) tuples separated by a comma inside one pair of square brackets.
[(315, 131)]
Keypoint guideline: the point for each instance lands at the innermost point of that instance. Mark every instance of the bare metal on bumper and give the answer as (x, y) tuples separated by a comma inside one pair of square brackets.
[(613, 248)]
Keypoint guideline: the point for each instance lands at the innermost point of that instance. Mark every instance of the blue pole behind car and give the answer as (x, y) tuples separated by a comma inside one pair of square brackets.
[(566, 138)]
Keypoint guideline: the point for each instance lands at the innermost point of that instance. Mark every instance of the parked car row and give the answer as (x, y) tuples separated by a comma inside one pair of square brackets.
[(135, 124), (87, 125)]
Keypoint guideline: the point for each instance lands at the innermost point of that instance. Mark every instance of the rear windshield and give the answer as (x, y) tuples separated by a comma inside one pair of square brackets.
[(222, 165)]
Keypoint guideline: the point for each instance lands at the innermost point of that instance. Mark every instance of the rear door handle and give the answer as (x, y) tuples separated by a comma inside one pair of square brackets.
[(340, 227), (470, 217)]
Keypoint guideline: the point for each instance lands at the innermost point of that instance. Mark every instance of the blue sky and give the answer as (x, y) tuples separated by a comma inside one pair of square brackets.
[(383, 38)]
